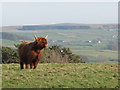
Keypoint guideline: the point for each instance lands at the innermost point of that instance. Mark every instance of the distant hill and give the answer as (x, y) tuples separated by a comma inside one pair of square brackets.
[(54, 26), (68, 26), (10, 28), (60, 26), (13, 37)]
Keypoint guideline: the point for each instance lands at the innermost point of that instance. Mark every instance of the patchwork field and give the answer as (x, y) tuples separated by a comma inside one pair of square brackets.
[(77, 41), (80, 75)]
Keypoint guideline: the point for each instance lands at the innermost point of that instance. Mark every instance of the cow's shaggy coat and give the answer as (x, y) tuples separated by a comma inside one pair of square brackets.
[(30, 52)]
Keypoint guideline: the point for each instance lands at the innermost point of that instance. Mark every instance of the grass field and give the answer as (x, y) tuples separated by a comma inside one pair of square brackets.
[(0, 76), (80, 75), (72, 35), (99, 55)]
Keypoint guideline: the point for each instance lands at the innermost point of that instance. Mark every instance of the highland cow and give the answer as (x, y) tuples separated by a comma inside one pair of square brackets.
[(30, 52)]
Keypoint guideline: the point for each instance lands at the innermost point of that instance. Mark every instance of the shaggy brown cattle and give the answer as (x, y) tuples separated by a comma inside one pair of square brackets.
[(30, 52)]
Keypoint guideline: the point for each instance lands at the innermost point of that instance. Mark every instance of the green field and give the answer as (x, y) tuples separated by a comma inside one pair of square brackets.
[(99, 55), (76, 41), (0, 76), (80, 75), (72, 35)]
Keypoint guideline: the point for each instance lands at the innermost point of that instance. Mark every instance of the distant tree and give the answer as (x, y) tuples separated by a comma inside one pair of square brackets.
[(9, 55), (57, 54)]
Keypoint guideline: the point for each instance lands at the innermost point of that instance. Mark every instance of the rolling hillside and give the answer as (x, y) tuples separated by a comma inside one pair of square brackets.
[(68, 26), (91, 44), (13, 37)]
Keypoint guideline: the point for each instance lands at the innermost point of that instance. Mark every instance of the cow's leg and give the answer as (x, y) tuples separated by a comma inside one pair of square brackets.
[(35, 64), (21, 65), (26, 66), (31, 66)]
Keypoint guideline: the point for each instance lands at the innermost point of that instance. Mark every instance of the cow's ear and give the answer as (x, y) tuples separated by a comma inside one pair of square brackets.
[(35, 37), (46, 37)]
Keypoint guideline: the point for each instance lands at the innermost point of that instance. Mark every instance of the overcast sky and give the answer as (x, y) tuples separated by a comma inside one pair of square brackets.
[(59, 12)]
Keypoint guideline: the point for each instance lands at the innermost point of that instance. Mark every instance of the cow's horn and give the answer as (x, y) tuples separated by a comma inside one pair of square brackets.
[(35, 37), (46, 37)]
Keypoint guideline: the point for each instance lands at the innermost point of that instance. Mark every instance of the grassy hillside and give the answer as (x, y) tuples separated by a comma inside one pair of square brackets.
[(99, 55), (80, 75), (76, 41), (13, 37), (9, 43), (0, 76)]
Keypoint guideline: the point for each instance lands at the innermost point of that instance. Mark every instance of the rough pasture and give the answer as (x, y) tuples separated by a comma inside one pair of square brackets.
[(80, 75)]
